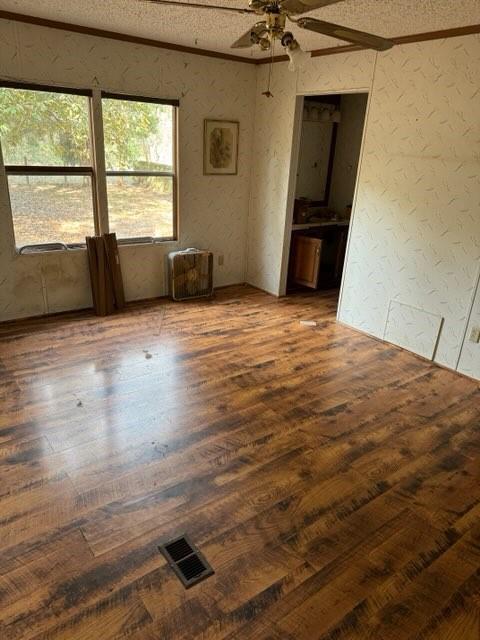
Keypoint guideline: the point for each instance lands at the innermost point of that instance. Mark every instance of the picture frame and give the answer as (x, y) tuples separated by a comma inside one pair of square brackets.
[(220, 147)]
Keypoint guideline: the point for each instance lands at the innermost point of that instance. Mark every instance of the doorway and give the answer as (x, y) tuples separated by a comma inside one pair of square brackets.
[(330, 130)]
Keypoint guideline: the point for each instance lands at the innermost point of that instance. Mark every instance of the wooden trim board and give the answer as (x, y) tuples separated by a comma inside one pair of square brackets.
[(124, 37), (415, 37), (113, 262)]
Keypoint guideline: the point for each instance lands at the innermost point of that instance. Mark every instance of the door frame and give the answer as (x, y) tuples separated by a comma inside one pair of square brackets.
[(292, 182)]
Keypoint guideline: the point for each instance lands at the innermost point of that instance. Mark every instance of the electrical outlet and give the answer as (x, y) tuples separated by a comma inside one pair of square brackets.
[(220, 260), (475, 335)]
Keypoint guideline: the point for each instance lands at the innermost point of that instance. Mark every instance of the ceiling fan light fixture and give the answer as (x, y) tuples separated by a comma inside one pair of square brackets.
[(264, 43), (297, 56), (288, 40)]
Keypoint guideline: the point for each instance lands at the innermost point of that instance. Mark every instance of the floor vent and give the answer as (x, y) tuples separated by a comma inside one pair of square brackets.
[(187, 562)]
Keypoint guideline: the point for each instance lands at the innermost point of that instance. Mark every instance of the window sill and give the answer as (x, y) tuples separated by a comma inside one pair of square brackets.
[(121, 243), (41, 252), (142, 242)]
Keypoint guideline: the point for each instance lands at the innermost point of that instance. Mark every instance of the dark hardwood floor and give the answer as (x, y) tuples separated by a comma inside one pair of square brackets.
[(332, 481)]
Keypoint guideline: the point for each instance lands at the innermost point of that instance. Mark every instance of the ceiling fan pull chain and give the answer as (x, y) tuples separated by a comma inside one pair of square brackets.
[(268, 93)]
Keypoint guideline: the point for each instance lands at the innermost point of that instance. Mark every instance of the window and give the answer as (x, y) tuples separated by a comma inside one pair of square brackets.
[(55, 177), (46, 146), (139, 138)]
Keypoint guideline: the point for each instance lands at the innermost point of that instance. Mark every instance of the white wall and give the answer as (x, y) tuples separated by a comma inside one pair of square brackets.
[(416, 229), (347, 151), (415, 237), (315, 145), (274, 118), (213, 209), (469, 361)]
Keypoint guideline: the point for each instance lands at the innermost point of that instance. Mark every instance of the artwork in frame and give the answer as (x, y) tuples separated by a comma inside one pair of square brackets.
[(220, 153)]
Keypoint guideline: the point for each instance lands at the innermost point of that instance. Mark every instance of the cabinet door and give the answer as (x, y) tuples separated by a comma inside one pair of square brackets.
[(306, 260)]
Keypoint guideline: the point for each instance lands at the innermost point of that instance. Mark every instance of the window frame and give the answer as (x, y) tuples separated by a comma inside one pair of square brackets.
[(97, 171), (46, 170), (105, 95)]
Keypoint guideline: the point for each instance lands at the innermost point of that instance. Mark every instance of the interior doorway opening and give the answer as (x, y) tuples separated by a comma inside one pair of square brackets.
[(328, 160)]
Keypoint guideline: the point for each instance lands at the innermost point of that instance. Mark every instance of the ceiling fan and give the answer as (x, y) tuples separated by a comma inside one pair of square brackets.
[(275, 14)]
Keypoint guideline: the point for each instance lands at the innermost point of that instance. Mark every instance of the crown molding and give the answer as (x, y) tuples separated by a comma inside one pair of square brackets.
[(327, 51), (122, 37), (414, 37)]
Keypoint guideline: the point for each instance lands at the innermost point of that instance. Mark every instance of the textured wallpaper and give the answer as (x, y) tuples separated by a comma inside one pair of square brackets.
[(469, 362), (271, 152), (416, 230), (213, 209), (415, 237), (346, 72), (414, 329)]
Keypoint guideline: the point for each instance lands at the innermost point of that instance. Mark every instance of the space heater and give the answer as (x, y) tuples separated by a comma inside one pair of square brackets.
[(190, 274)]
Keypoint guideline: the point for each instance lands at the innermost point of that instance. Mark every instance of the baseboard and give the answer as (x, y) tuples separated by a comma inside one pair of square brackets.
[(270, 293), (128, 304)]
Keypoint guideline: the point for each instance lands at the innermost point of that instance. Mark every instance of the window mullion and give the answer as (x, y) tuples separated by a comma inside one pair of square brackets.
[(175, 214), (7, 240), (43, 170), (98, 150), (140, 174)]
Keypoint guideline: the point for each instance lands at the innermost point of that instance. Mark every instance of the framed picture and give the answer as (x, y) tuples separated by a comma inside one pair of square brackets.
[(220, 148)]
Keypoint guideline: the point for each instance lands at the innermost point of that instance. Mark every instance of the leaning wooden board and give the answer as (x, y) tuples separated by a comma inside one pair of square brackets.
[(113, 261), (100, 276), (92, 267)]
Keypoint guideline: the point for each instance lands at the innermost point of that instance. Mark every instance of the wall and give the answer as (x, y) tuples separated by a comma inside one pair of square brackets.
[(415, 236), (273, 142), (274, 123), (416, 229), (213, 210), (315, 145), (347, 151), (314, 156), (469, 360)]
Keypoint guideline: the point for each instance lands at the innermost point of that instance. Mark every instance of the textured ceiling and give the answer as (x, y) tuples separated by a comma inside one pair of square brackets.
[(216, 30)]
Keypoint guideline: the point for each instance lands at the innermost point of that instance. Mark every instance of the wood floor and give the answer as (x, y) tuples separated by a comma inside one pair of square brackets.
[(332, 481)]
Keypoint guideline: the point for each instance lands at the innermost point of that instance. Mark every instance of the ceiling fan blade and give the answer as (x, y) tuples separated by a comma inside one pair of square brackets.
[(198, 5), (345, 33), (302, 6), (247, 40), (258, 5)]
